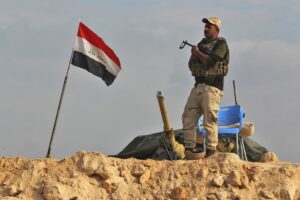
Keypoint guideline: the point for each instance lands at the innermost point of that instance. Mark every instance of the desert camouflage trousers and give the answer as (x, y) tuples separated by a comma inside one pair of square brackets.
[(203, 100)]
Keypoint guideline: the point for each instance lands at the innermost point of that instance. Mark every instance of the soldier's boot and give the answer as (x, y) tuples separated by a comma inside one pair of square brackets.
[(194, 153), (210, 152)]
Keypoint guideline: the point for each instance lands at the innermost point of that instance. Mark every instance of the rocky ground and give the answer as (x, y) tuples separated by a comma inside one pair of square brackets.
[(88, 175)]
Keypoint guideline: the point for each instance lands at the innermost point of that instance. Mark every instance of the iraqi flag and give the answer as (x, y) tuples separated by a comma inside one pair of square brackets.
[(92, 54)]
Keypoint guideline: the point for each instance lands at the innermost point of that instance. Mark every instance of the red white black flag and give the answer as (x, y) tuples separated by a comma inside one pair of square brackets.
[(92, 54)]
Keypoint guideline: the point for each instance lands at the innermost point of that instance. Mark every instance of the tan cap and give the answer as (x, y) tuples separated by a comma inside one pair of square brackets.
[(213, 20)]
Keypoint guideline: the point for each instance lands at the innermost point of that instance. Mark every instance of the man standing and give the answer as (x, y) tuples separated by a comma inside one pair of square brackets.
[(208, 64)]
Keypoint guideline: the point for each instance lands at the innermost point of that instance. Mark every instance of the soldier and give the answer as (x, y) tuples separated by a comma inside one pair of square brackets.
[(208, 64)]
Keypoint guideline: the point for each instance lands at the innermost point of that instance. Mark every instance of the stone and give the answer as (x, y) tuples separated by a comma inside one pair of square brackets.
[(10, 198), (245, 181), (73, 174), (179, 193), (109, 186), (234, 179), (224, 169), (289, 191), (52, 191), (138, 170), (287, 171), (268, 157), (221, 195), (126, 175), (91, 164), (202, 173), (145, 177), (266, 194), (213, 169), (13, 190), (177, 175), (212, 196), (104, 173), (218, 181)]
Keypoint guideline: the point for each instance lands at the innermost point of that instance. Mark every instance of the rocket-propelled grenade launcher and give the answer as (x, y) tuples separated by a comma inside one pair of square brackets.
[(177, 147)]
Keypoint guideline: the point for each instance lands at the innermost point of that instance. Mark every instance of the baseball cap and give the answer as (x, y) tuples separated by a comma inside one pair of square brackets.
[(213, 20)]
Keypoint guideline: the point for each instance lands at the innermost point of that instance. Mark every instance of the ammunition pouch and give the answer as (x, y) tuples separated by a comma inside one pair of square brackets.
[(219, 69)]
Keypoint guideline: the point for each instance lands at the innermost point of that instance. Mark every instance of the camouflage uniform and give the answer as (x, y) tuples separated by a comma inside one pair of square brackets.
[(205, 97)]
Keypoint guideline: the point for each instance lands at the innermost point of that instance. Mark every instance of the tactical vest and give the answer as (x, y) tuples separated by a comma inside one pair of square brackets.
[(220, 68)]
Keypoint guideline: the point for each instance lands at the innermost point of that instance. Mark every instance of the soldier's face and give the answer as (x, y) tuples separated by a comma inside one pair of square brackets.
[(210, 30)]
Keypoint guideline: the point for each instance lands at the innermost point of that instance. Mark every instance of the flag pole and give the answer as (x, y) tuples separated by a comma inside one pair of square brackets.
[(234, 92), (59, 105)]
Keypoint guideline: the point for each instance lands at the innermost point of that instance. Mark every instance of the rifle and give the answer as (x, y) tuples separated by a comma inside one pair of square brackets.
[(202, 49), (184, 42)]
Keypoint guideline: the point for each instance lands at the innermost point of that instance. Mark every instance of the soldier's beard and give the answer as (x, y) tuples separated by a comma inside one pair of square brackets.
[(206, 34)]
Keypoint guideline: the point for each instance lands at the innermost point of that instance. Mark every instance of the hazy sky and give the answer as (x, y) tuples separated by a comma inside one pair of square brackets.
[(36, 40)]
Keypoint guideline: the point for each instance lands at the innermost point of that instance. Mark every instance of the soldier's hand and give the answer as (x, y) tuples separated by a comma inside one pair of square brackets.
[(195, 50), (193, 56)]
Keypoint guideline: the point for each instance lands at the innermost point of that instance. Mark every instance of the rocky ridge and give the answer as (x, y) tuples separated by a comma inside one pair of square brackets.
[(89, 175)]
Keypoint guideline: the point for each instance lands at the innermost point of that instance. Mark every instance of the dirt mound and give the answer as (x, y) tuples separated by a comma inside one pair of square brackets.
[(88, 175)]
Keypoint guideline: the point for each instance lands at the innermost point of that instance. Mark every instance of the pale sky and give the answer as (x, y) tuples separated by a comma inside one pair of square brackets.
[(36, 40)]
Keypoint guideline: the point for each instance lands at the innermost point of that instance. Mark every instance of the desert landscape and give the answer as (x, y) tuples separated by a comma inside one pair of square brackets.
[(91, 175)]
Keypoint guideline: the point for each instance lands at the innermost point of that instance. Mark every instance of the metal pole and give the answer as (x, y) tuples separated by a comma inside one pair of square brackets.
[(234, 91), (58, 108), (165, 145)]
